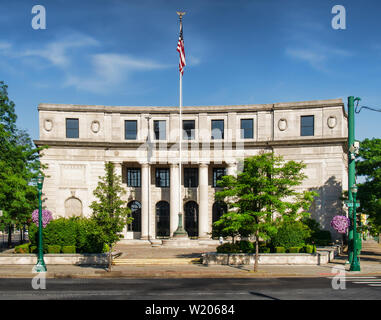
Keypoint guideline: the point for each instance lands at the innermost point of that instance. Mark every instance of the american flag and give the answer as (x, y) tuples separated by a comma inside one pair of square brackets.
[(180, 49)]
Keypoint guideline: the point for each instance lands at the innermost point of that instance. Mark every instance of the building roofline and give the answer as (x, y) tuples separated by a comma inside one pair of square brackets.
[(190, 109)]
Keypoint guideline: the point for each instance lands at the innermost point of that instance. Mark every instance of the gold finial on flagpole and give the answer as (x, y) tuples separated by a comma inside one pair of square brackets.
[(181, 14)]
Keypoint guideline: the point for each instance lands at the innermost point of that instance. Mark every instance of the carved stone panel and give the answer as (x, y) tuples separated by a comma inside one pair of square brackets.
[(73, 207), (73, 175)]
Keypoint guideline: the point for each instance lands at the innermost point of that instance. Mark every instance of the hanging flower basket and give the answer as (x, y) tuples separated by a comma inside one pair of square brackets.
[(340, 224), (46, 217)]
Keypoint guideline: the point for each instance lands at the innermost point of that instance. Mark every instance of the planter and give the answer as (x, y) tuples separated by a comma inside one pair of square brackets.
[(56, 259), (324, 255)]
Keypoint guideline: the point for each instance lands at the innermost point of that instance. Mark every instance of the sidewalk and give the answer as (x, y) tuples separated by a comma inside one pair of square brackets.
[(370, 265)]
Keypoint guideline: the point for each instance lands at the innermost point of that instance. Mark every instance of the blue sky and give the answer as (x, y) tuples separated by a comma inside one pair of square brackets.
[(238, 52)]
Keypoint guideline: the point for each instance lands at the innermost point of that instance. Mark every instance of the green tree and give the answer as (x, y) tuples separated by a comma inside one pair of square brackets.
[(110, 212), (369, 192), (262, 196), (19, 166)]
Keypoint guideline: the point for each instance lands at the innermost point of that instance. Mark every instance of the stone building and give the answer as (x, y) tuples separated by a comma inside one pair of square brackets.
[(143, 144)]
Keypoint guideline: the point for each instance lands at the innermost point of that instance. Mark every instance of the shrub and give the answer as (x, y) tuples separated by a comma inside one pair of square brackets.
[(280, 250), (22, 248), (246, 246), (228, 248), (295, 249), (68, 249), (106, 248), (33, 249), (264, 249), (291, 234), (309, 249), (82, 233), (54, 249), (318, 236)]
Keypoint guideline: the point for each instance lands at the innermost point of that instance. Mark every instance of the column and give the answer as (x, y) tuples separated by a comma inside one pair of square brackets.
[(203, 227), (174, 197), (145, 200)]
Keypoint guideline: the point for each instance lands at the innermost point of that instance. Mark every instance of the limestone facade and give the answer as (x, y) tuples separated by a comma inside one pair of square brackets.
[(74, 164)]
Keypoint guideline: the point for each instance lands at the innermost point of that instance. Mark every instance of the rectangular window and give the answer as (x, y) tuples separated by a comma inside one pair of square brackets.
[(159, 129), (162, 177), (133, 177), (72, 128), (307, 126), (190, 177), (130, 129), (217, 174), (188, 129), (217, 129), (247, 129)]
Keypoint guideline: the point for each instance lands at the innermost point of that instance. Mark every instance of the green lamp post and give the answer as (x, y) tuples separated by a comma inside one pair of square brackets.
[(355, 264), (40, 266)]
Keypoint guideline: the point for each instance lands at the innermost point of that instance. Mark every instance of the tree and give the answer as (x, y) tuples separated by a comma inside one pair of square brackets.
[(369, 192), (262, 196), (110, 212), (19, 166)]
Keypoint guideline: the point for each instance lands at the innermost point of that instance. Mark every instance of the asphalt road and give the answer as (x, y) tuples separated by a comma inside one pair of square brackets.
[(192, 289)]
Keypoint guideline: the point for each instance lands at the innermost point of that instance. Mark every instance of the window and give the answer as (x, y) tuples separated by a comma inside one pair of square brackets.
[(130, 129), (218, 173), (133, 177), (162, 177), (190, 177), (217, 129), (247, 131), (72, 128), (159, 129), (307, 126), (188, 129), (136, 224)]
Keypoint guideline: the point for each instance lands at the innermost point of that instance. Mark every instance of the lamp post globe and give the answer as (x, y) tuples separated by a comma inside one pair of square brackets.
[(40, 265)]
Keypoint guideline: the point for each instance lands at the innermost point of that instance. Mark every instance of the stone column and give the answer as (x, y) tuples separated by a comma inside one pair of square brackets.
[(203, 227), (145, 200), (174, 196)]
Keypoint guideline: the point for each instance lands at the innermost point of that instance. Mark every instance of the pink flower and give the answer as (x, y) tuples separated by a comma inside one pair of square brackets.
[(46, 217), (340, 223)]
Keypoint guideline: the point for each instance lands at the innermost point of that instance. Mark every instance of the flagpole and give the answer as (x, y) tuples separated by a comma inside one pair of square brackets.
[(180, 131), (180, 232)]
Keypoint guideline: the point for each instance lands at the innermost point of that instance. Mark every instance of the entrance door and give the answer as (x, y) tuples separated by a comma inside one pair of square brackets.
[(191, 218), (162, 219)]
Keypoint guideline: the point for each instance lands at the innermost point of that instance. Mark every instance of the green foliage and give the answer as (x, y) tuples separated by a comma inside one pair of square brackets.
[(106, 248), (309, 248), (228, 248), (264, 249), (82, 233), (291, 234), (33, 249), (110, 213), (68, 249), (54, 249), (295, 249), (23, 248), (280, 250), (19, 166), (369, 192), (246, 246), (256, 194), (317, 236)]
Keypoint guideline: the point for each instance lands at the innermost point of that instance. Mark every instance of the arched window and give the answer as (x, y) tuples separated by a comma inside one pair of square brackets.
[(73, 207), (162, 219), (191, 218), (219, 208), (136, 224)]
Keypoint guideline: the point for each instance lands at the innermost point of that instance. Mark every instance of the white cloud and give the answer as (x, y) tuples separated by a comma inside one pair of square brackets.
[(317, 54), (58, 52), (110, 69)]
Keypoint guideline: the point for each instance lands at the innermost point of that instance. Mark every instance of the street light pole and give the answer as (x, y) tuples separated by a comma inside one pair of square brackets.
[(40, 266), (355, 265)]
